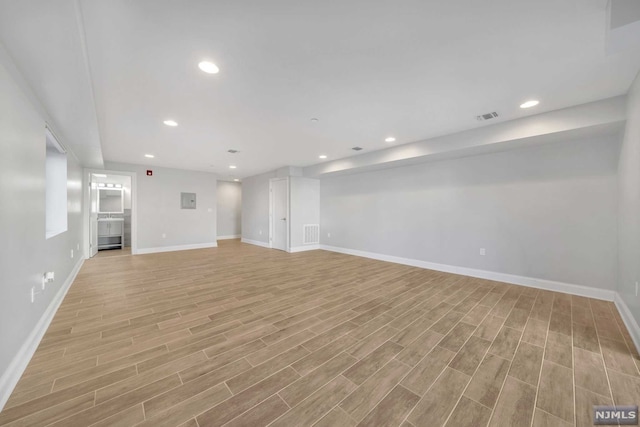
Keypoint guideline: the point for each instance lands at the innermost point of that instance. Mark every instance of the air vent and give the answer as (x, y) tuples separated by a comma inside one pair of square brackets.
[(357, 148), (232, 151), (310, 234), (487, 116)]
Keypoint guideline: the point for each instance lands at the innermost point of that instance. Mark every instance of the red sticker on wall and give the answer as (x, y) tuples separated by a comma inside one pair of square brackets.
[(149, 172)]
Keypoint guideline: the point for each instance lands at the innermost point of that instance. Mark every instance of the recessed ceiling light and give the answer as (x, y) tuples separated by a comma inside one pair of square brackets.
[(150, 156), (232, 166), (171, 123), (236, 179), (322, 156), (529, 104), (390, 139), (208, 67)]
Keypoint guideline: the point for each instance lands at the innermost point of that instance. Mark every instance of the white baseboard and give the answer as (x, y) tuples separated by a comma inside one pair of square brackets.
[(628, 319), (16, 368), (142, 251), (304, 248), (256, 242), (233, 236), (568, 288)]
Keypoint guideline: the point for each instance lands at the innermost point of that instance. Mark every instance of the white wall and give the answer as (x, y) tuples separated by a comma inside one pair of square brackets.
[(546, 212), (255, 207), (25, 254), (229, 199), (304, 207), (629, 205), (159, 212)]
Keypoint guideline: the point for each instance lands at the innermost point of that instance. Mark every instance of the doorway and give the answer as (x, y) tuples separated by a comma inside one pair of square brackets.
[(279, 213), (110, 226)]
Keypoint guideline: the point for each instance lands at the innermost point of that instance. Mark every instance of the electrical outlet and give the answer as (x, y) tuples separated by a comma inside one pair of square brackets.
[(260, 232), (164, 236), (71, 253), (483, 251)]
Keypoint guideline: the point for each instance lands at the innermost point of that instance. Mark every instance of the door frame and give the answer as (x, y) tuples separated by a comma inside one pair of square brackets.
[(87, 207), (272, 219)]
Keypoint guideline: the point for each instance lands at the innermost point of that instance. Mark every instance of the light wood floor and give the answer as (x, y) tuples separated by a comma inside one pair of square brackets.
[(246, 336), (114, 252)]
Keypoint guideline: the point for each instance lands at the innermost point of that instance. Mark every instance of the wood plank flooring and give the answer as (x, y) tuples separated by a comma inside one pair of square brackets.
[(246, 336)]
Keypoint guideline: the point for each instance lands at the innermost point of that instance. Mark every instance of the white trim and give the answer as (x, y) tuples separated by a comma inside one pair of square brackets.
[(304, 248), (256, 242), (569, 288), (142, 251), (16, 368), (233, 236), (628, 319)]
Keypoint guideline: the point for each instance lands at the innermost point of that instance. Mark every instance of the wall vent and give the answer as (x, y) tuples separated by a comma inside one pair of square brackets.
[(232, 151), (357, 148), (488, 116), (310, 234)]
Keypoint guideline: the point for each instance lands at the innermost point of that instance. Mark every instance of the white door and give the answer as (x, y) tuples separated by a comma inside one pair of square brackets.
[(279, 214), (93, 218)]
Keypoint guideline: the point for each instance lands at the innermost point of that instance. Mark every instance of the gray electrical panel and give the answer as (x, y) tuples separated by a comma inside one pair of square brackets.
[(188, 200)]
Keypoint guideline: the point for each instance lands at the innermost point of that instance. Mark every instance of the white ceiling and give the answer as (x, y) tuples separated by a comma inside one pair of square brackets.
[(366, 69), (44, 41)]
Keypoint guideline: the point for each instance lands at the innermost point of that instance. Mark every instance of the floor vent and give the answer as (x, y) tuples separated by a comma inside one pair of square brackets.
[(310, 234)]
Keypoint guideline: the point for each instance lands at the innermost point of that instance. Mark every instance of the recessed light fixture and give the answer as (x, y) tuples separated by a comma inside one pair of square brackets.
[(171, 123), (236, 179), (529, 104), (322, 156), (99, 175), (208, 67), (232, 166), (149, 156), (390, 139)]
